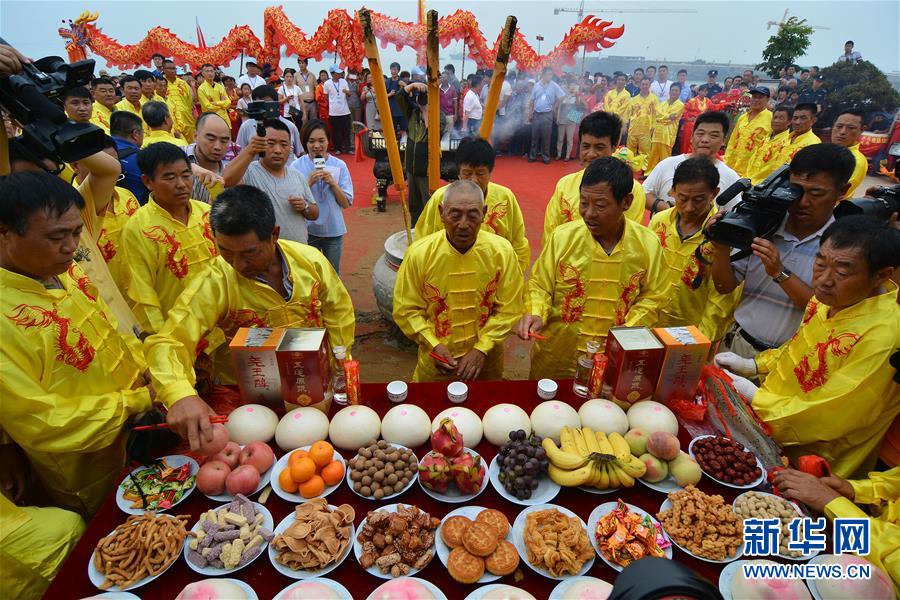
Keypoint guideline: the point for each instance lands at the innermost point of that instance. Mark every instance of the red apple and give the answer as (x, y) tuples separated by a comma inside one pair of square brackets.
[(230, 455), (218, 443), (259, 455), (211, 477), (242, 480)]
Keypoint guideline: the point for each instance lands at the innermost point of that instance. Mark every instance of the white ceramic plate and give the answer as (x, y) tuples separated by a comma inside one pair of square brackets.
[(762, 469), (337, 587), (97, 578), (118, 596), (403, 491), (666, 505), (561, 590), (665, 486), (249, 591), (303, 573), (593, 490), (479, 593), (374, 570), (263, 482), (174, 461), (435, 590), (443, 550), (268, 523), (727, 576), (519, 539), (799, 514), (606, 508), (453, 495), (546, 490), (295, 498), (811, 583)]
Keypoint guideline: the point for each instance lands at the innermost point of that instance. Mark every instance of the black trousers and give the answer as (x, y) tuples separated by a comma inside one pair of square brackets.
[(340, 129)]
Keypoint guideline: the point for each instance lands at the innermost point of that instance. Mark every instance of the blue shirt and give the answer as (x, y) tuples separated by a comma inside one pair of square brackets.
[(393, 86), (130, 171), (545, 97), (685, 93), (330, 222)]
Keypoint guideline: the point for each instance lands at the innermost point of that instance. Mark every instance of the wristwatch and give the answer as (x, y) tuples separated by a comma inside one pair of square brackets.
[(781, 277)]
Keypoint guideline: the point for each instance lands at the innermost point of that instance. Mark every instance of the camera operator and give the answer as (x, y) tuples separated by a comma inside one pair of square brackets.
[(78, 104), (266, 93), (777, 275)]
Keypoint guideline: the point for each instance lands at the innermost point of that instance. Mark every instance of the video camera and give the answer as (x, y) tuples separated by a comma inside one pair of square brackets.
[(33, 99), (760, 211), (883, 202), (262, 111)]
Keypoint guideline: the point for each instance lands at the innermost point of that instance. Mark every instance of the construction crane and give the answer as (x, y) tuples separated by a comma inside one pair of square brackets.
[(643, 11), (784, 20)]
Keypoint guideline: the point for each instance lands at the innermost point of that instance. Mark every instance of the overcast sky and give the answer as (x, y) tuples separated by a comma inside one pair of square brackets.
[(718, 30)]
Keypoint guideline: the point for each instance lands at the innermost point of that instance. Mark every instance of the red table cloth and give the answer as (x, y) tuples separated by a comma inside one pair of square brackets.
[(72, 580)]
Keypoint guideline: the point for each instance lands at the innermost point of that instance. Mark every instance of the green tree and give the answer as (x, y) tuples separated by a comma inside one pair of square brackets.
[(861, 85), (787, 45)]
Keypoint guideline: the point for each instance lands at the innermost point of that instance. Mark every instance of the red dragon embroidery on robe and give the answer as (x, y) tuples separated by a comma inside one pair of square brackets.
[(566, 210), (810, 377), (78, 355), (441, 310), (176, 261), (82, 282), (105, 245), (493, 218), (811, 309), (628, 296), (208, 235), (486, 306), (573, 301), (663, 234), (313, 311)]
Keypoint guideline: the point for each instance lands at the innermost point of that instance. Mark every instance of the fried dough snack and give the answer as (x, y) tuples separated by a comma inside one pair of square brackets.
[(556, 542), (318, 536), (703, 524), (143, 546)]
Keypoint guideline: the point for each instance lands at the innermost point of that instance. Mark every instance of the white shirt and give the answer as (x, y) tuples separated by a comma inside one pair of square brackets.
[(661, 89), (505, 92), (293, 96), (254, 82), (337, 99), (472, 105), (659, 183)]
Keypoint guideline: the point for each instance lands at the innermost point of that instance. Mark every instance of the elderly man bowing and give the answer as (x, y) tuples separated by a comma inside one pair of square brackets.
[(459, 292)]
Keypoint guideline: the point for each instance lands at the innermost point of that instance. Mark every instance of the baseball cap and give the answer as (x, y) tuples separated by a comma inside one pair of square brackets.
[(712, 73), (335, 69), (250, 62), (761, 89), (820, 78)]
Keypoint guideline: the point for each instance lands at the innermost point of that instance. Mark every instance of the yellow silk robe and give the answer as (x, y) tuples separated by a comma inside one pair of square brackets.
[(580, 291), (503, 216), (154, 136), (859, 171), (109, 240), (165, 255), (829, 389), (180, 99), (618, 103), (67, 379), (214, 98), (642, 114), (767, 156), (563, 205), (463, 301), (747, 137), (100, 116), (881, 493), (125, 105), (668, 114), (225, 299), (795, 144), (686, 304)]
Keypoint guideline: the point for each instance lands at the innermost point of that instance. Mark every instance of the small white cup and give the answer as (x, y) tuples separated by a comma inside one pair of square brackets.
[(546, 389), (397, 390), (457, 392)]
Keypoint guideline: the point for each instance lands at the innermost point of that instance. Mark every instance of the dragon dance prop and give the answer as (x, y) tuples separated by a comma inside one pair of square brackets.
[(339, 32), (496, 85)]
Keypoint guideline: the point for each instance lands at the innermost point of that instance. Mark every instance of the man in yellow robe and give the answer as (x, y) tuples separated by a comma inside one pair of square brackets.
[(168, 241), (642, 117), (180, 99), (750, 131), (599, 133), (668, 114), (257, 281), (618, 99), (104, 94), (158, 119), (839, 498), (765, 158), (71, 382), (592, 274), (132, 99), (692, 298), (801, 132), (830, 389), (212, 95), (459, 292), (475, 162), (845, 132)]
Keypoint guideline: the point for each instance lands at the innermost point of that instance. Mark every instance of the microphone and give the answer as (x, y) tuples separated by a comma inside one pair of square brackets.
[(319, 162), (738, 187)]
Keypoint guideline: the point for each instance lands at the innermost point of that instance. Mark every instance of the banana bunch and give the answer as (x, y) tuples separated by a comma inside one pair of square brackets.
[(592, 458)]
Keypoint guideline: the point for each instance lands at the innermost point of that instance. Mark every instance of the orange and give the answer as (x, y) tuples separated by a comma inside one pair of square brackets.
[(333, 472), (322, 453), (303, 469), (313, 487), (285, 481), (297, 455)]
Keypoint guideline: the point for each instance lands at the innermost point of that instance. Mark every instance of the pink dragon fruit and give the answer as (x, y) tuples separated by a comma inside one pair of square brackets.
[(468, 473), (435, 473), (447, 439)]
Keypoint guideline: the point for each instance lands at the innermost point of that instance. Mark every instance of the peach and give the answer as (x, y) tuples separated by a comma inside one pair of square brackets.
[(657, 470), (685, 470), (637, 441), (663, 445)]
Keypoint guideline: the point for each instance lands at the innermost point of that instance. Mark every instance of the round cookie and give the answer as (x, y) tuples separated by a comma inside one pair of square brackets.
[(452, 530), (480, 539), (464, 567), (503, 560), (495, 519)]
